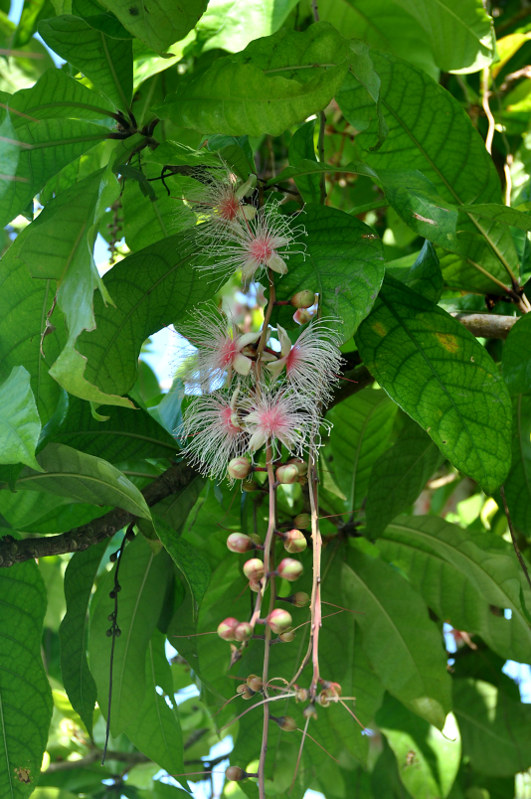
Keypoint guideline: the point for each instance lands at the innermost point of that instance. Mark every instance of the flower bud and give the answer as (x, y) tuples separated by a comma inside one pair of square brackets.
[(279, 620), (301, 465), (286, 723), (239, 542), (239, 468), (287, 637), (249, 485), (294, 541), (300, 599), (235, 773), (302, 521), (243, 631), (227, 627), (290, 569), (303, 299), (253, 569), (254, 586), (302, 316), (255, 683), (287, 474)]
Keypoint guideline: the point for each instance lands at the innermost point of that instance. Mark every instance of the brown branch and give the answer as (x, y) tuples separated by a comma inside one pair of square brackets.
[(487, 325), (14, 551)]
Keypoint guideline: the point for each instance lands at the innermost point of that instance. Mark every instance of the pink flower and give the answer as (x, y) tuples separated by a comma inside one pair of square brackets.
[(251, 245), (219, 202), (220, 348), (213, 433), (279, 417), (312, 364)]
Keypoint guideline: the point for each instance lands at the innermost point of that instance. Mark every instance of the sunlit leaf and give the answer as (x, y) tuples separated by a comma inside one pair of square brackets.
[(20, 425), (157, 23)]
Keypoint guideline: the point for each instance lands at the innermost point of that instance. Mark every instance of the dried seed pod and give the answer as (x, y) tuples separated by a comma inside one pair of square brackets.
[(255, 683), (235, 774), (309, 711), (244, 691), (290, 569), (286, 723), (287, 637)]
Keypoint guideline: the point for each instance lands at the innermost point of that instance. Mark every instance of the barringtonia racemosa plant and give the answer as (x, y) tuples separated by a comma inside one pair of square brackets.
[(279, 416)]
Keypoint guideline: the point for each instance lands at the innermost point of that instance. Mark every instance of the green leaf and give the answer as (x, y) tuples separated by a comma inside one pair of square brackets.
[(494, 727), (157, 24), (301, 147), (361, 432), (149, 220), (83, 478), (144, 578), (403, 645), (516, 357), (124, 435), (56, 95), (31, 11), (438, 373), (59, 244), (44, 147), (428, 760), (343, 262), (518, 483), (504, 214), (424, 276), (399, 475), (244, 95), (20, 425), (150, 289), (460, 32), (191, 563), (78, 681), (107, 62), (411, 102), (25, 696), (232, 24), (462, 575)]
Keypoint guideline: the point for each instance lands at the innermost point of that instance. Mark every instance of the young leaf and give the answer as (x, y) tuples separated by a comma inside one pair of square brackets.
[(20, 425), (83, 478), (438, 373), (25, 696), (78, 681), (107, 62)]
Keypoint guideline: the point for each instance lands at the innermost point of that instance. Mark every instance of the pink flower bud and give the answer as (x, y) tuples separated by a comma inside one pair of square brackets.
[(302, 521), (243, 631), (254, 586), (303, 299), (239, 542), (239, 468), (294, 541), (253, 569), (227, 627), (290, 569), (287, 474), (302, 316), (301, 465), (279, 620)]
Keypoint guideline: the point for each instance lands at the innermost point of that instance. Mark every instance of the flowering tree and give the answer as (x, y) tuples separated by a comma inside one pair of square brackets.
[(310, 550)]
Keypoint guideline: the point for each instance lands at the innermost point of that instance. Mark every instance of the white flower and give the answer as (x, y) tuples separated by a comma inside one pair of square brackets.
[(278, 417), (220, 348), (213, 433), (218, 201), (313, 363), (251, 245)]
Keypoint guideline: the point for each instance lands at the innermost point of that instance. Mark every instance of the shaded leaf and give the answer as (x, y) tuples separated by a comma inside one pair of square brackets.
[(78, 681), (107, 62), (518, 482), (20, 425), (83, 478), (516, 357), (191, 563), (25, 696), (438, 373)]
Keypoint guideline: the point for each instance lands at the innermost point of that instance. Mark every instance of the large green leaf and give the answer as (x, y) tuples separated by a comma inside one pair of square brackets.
[(518, 483), (273, 84), (78, 681), (123, 435), (157, 23), (399, 475), (150, 289), (25, 696), (429, 133), (462, 575), (232, 24), (460, 32), (403, 644), (24, 305), (439, 374), (150, 219), (43, 147), (59, 245), (362, 427), (57, 95), (494, 727), (107, 62), (144, 578), (20, 425), (83, 478), (428, 760), (343, 262), (516, 358)]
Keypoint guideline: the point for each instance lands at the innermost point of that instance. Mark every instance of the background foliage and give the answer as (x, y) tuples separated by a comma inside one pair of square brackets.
[(412, 120)]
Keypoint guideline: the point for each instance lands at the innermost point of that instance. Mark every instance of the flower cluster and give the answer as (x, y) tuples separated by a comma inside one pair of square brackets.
[(256, 389)]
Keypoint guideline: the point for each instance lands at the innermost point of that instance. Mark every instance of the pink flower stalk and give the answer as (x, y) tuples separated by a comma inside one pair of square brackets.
[(280, 417), (312, 364), (213, 433), (251, 245), (220, 348)]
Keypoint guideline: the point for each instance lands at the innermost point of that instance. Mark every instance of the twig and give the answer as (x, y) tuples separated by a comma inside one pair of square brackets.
[(93, 756), (513, 536), (485, 95), (315, 605)]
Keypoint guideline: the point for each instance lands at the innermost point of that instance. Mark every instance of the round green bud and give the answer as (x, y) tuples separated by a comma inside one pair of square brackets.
[(239, 468), (294, 541), (279, 620), (303, 299)]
